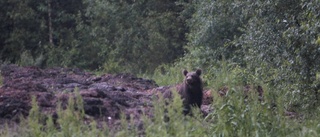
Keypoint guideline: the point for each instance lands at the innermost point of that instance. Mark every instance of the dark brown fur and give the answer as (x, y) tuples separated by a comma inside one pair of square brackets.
[(191, 90)]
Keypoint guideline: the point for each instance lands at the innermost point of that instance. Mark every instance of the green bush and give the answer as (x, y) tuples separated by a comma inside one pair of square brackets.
[(234, 115)]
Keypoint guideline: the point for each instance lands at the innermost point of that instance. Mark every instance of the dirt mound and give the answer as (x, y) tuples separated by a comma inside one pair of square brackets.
[(104, 96)]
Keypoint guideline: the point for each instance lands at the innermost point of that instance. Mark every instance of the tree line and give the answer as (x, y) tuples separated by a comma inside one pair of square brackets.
[(118, 36)]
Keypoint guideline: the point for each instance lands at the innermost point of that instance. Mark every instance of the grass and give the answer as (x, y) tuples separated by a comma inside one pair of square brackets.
[(231, 115), (69, 123), (165, 75)]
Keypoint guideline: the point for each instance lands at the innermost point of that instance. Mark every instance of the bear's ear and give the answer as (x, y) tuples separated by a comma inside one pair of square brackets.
[(185, 72), (199, 71)]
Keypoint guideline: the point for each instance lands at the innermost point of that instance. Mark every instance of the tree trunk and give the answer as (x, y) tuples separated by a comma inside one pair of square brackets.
[(50, 23)]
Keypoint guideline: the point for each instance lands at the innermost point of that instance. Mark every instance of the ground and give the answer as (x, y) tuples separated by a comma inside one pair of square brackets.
[(104, 96)]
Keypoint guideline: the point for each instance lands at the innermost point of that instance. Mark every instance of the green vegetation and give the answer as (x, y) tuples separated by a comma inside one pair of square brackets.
[(272, 43), (69, 123), (92, 34), (231, 116)]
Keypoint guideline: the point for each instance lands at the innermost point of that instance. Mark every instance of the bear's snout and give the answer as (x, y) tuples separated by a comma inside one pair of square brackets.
[(189, 80)]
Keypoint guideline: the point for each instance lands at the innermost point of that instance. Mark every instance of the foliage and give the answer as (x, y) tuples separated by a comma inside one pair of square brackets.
[(272, 42), (213, 26), (134, 31), (92, 34), (282, 48)]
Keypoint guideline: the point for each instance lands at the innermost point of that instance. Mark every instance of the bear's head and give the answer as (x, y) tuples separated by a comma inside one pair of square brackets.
[(192, 78)]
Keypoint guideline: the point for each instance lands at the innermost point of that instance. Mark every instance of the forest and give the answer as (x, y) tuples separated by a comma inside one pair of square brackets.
[(271, 43)]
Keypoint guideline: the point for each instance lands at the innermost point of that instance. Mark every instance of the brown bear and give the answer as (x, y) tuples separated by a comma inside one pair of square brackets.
[(191, 90)]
